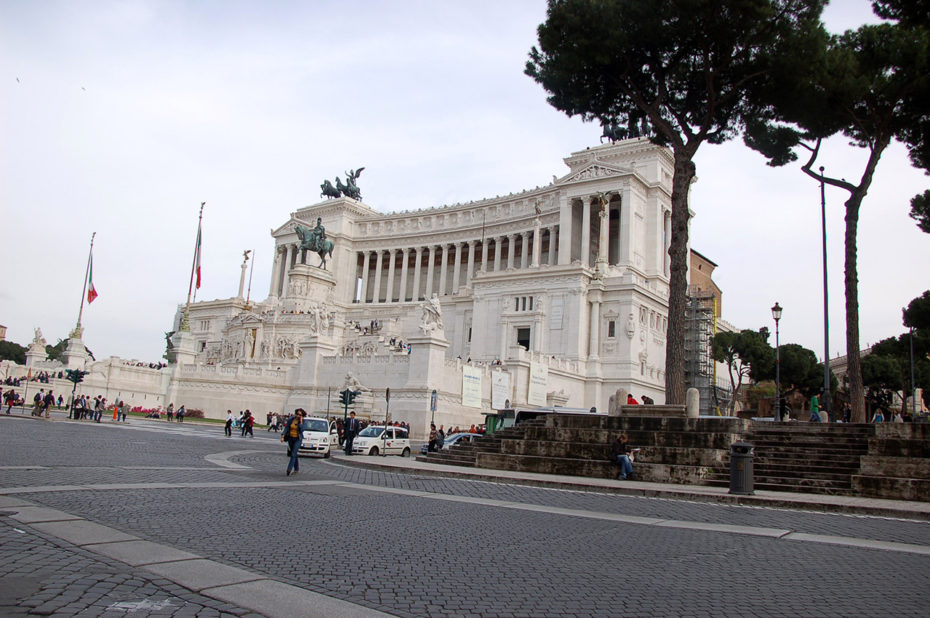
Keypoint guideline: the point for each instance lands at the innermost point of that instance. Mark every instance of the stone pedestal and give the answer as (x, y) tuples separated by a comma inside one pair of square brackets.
[(75, 355), (35, 354), (181, 348), (427, 361)]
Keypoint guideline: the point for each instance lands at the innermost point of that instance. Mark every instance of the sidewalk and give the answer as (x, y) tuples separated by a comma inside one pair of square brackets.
[(698, 493)]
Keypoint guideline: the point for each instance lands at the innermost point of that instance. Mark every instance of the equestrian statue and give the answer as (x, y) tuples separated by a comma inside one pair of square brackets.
[(315, 240)]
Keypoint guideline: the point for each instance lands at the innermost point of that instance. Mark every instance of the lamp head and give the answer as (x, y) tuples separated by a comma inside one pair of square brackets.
[(776, 312)]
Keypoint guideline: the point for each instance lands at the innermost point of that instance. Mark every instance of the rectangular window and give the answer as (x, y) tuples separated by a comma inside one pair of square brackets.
[(611, 329), (523, 337), (516, 306), (531, 303), (524, 303), (469, 334)]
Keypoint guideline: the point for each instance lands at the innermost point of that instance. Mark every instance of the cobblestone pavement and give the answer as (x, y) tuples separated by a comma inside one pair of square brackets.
[(459, 548), (42, 575)]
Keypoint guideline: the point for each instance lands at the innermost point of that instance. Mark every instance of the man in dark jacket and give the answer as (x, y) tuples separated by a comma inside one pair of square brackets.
[(620, 454), (351, 430)]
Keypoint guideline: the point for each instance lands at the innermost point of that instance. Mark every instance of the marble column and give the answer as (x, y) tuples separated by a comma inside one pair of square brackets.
[(379, 261), (430, 269), (457, 261), (586, 233), (418, 265), (565, 231), (497, 253), (594, 327), (524, 249), (537, 243), (603, 238), (511, 249), (389, 297), (405, 257), (553, 241), (366, 264), (484, 256), (303, 256), (273, 291), (471, 263), (443, 269)]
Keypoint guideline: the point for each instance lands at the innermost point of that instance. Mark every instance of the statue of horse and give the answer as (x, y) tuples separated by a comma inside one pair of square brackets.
[(328, 190), (311, 242)]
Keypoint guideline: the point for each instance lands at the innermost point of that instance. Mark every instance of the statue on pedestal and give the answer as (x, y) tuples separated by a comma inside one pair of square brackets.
[(432, 315), (315, 240)]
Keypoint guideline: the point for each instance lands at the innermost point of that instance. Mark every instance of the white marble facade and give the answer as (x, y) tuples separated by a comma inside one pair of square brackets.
[(572, 276)]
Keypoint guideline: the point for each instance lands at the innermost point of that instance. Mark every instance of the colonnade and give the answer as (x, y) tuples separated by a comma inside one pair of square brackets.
[(415, 273), (588, 230)]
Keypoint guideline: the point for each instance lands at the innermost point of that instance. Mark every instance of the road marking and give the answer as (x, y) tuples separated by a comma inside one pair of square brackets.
[(222, 459)]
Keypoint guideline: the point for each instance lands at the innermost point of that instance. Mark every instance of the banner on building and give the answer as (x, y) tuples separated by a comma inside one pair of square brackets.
[(471, 386), (500, 390), (539, 384)]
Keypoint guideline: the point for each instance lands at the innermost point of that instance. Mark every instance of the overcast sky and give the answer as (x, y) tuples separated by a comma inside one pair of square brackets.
[(121, 117)]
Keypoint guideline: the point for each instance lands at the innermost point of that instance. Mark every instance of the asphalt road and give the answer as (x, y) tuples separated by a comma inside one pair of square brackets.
[(412, 545)]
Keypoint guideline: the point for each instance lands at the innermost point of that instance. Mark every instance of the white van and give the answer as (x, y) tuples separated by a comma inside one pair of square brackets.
[(378, 440), (319, 436)]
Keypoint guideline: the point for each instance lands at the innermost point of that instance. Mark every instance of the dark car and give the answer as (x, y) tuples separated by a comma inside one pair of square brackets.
[(453, 439)]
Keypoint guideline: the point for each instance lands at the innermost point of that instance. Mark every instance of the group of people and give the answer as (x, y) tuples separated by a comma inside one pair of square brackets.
[(245, 422), (86, 408), (172, 414)]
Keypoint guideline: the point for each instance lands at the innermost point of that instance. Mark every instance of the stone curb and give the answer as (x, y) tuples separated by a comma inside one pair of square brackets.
[(804, 502)]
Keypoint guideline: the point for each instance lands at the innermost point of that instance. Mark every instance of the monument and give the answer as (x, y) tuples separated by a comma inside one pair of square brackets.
[(567, 282)]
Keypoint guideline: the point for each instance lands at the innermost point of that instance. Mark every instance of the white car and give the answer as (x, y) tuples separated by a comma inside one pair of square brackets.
[(378, 440), (319, 436)]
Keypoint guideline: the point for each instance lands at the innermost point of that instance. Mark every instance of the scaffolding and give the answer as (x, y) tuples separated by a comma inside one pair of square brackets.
[(700, 368)]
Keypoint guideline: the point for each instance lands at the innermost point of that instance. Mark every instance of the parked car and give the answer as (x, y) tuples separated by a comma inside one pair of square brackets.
[(451, 440), (319, 436), (378, 440)]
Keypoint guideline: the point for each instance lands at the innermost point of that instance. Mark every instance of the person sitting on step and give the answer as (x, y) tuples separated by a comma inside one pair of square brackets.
[(621, 454)]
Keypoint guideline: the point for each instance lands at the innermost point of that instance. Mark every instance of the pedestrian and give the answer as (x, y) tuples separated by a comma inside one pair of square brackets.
[(294, 437), (98, 408), (60, 401), (815, 409), (249, 423), (48, 402), (433, 438), (123, 410), (170, 411), (351, 430), (631, 400), (181, 412), (244, 423), (229, 422), (879, 416), (622, 454)]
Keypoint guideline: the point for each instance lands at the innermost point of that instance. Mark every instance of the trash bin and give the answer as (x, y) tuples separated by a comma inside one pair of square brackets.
[(741, 468)]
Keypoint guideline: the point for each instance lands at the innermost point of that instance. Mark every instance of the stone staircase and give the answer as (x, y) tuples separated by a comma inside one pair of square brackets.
[(466, 454), (672, 449), (897, 464), (889, 460), (804, 457)]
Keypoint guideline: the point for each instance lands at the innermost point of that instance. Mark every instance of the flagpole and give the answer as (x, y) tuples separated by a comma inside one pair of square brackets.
[(78, 331), (248, 294), (185, 320)]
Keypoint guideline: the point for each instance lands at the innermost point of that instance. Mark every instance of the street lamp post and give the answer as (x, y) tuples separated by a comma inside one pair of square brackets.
[(826, 313), (776, 314)]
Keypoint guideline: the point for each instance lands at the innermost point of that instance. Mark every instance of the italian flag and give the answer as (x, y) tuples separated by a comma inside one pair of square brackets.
[(91, 291), (197, 258)]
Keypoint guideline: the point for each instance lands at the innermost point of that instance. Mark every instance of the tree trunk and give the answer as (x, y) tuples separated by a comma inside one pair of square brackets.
[(853, 358), (678, 278)]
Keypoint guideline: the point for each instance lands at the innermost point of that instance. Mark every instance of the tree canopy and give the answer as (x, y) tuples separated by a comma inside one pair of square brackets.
[(747, 354), (685, 66), (866, 84)]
